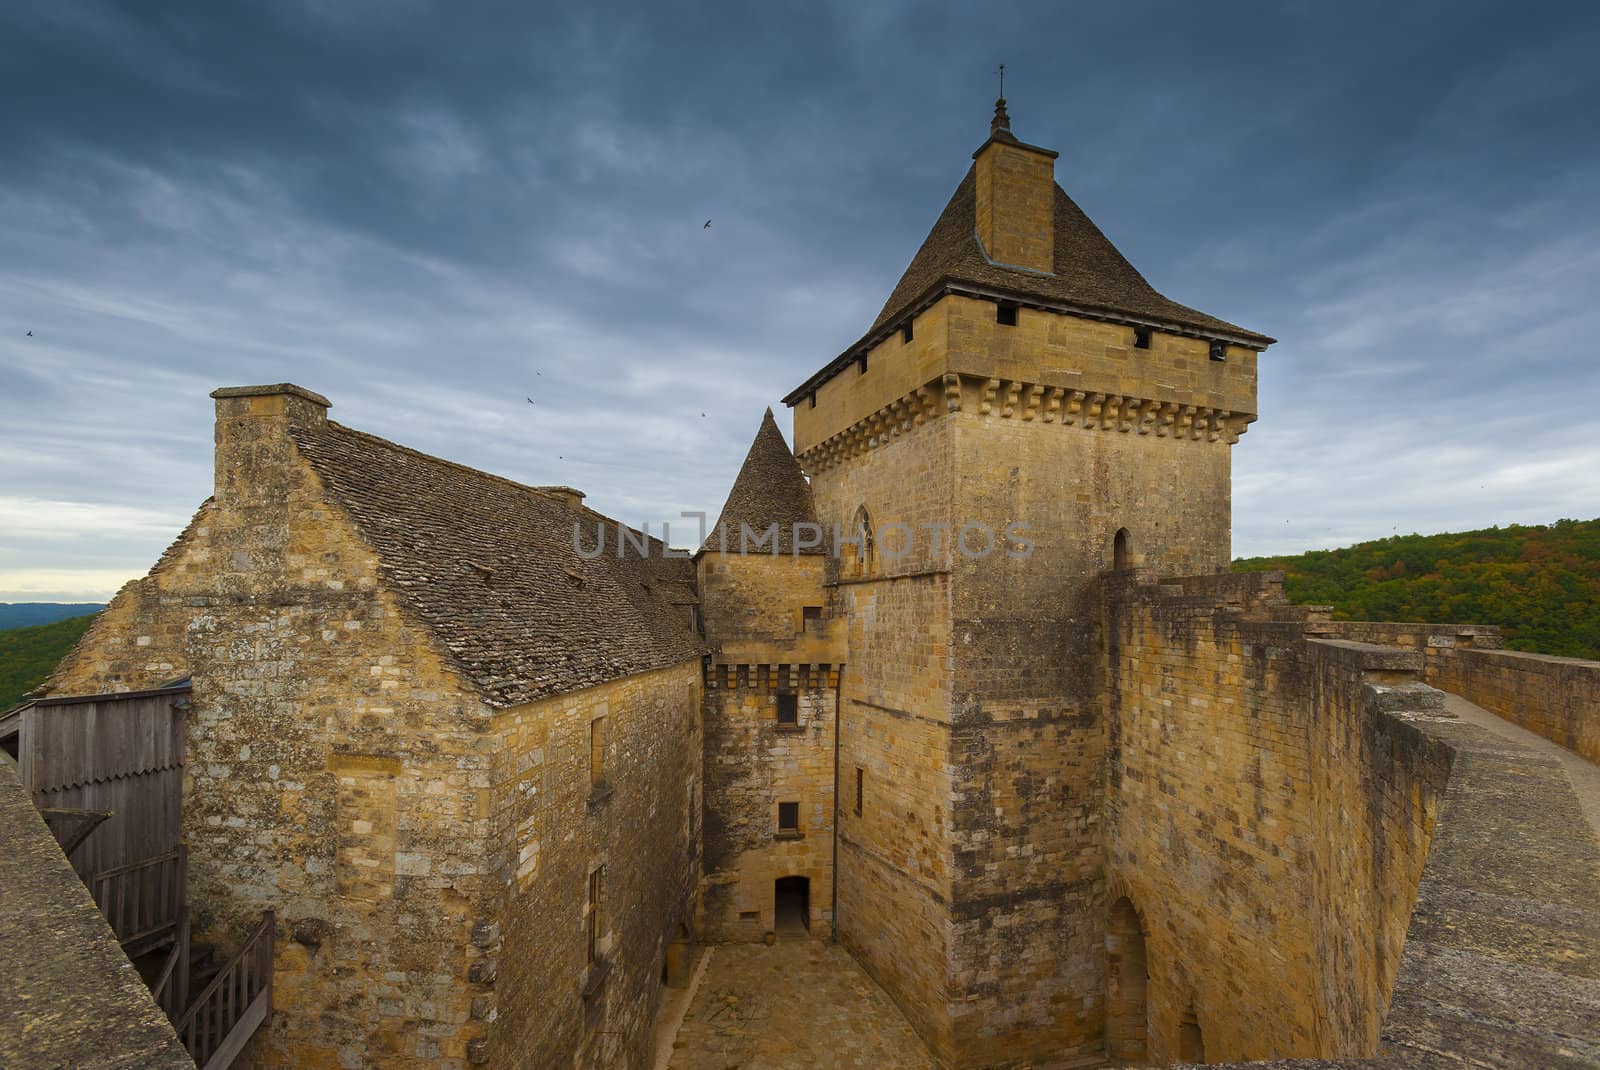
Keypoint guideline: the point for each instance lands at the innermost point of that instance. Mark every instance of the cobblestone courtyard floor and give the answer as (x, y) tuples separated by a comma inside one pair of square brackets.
[(799, 1004)]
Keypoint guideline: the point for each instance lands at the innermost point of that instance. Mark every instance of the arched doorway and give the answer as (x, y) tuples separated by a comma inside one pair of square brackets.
[(1127, 981), (1121, 551), (791, 906)]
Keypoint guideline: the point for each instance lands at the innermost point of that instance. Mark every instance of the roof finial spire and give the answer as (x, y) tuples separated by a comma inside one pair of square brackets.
[(1001, 120)]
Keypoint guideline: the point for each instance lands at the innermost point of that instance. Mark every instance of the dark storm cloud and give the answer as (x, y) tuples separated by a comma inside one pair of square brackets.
[(430, 211)]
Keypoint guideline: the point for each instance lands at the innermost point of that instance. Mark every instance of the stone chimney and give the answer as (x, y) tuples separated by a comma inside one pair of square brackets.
[(571, 497), (1016, 198), (253, 451)]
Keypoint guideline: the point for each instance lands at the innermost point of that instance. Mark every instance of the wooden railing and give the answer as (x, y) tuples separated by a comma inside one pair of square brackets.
[(171, 987), (236, 1002), (143, 900)]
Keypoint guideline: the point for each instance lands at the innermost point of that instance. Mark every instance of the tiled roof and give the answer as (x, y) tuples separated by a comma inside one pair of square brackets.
[(771, 489), (492, 569), (1090, 275)]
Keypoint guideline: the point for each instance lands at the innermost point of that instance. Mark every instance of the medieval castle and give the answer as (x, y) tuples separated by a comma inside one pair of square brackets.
[(982, 703)]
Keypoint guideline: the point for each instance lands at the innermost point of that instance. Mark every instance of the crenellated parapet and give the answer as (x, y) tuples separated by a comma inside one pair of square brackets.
[(1014, 399)]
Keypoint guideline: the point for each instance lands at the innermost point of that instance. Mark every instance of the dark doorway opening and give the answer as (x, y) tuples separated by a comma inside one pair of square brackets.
[(1127, 981), (791, 906), (1191, 1043)]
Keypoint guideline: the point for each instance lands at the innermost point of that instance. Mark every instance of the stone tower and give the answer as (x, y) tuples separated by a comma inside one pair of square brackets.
[(771, 704), (1025, 413)]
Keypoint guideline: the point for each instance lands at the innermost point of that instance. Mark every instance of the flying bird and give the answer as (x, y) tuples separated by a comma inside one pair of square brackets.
[(30, 334), (707, 226), (530, 401)]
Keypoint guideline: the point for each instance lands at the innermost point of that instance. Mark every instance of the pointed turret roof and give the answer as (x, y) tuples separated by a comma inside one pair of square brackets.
[(1089, 277), (771, 489)]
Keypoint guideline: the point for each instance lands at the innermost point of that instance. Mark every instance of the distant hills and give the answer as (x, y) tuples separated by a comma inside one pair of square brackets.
[(27, 655), (1540, 584), (27, 614)]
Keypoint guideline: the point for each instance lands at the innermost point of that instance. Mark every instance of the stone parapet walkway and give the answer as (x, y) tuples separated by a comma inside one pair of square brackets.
[(797, 1005), (1584, 774)]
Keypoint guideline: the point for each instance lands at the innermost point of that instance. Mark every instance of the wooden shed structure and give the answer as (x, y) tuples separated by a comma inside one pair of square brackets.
[(110, 766)]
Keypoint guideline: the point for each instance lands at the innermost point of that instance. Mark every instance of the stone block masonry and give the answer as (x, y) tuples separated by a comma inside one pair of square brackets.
[(338, 767), (427, 846), (770, 713), (557, 1000)]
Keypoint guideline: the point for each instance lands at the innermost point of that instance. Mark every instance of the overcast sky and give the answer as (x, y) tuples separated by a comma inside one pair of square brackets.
[(429, 212)]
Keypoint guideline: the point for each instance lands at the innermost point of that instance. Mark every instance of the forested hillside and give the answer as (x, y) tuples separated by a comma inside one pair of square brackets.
[(27, 614), (1541, 585), (28, 654)]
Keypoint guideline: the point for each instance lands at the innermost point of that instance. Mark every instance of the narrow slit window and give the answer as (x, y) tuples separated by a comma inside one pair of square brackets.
[(597, 751), (594, 922), (1005, 314), (788, 817), (861, 777), (788, 709), (861, 363), (905, 332), (1141, 338)]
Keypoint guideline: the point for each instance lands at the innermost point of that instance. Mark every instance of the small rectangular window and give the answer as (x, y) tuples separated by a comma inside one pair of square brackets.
[(810, 617), (861, 776), (1219, 350), (905, 332), (1005, 314), (813, 399), (788, 709), (1141, 338), (594, 922), (861, 363), (788, 817), (597, 751)]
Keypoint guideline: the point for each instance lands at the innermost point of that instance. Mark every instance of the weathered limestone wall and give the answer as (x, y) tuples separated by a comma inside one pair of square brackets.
[(554, 826), (1559, 698), (755, 608), (752, 763), (1501, 956), (895, 855), (338, 767), (1268, 816), (1029, 886), (1064, 429)]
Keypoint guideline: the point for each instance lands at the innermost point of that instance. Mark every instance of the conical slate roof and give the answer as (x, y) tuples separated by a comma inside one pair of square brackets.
[(1090, 275), (771, 489)]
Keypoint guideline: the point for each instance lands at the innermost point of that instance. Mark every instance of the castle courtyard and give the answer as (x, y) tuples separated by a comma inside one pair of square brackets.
[(961, 740), (794, 1005)]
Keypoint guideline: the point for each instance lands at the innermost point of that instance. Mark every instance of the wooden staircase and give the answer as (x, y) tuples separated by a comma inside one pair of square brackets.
[(146, 904)]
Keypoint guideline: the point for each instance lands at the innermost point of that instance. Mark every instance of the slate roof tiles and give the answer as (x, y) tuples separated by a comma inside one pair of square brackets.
[(492, 569)]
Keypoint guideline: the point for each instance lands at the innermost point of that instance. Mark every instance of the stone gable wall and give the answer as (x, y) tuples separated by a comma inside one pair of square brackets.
[(338, 766)]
